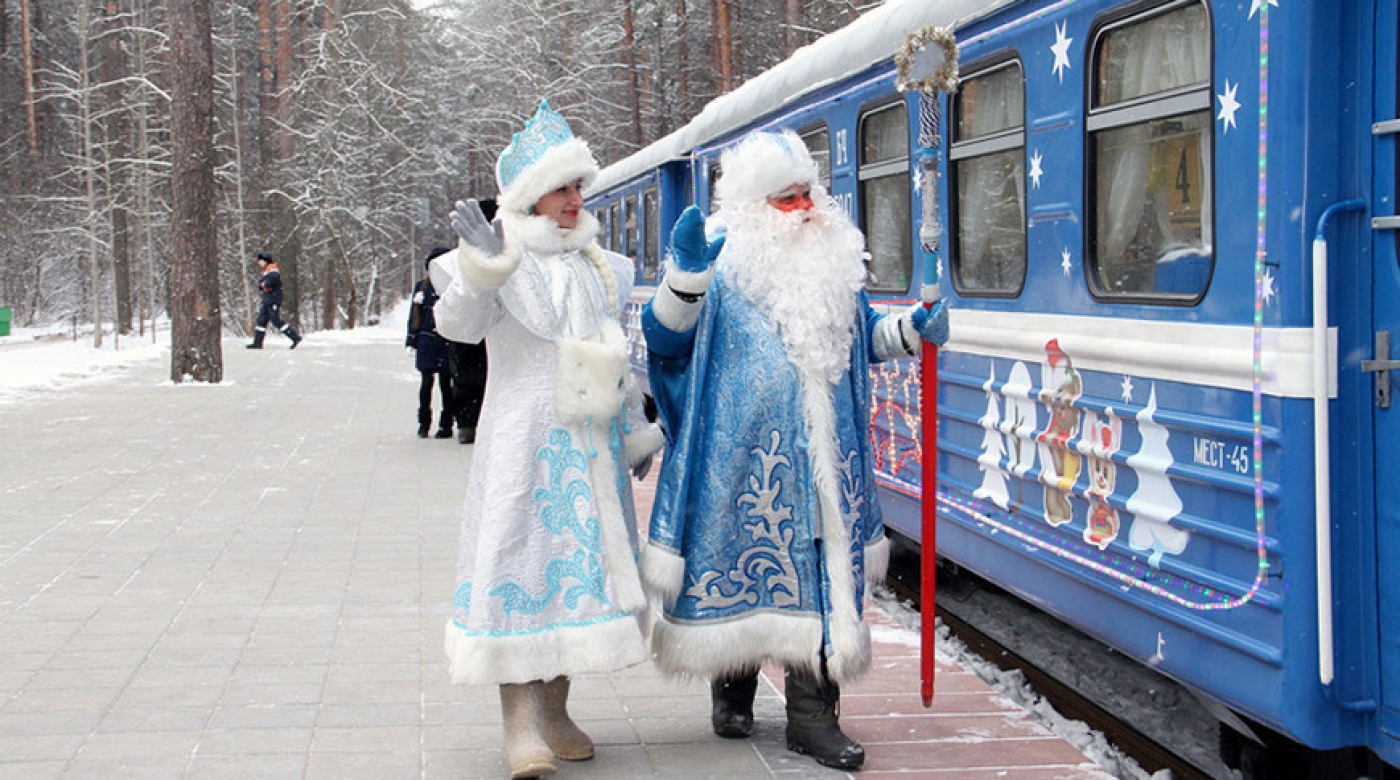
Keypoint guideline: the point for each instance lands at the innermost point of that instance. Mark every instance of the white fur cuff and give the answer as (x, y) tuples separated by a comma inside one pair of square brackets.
[(688, 282), (662, 575), (674, 314), (896, 337), (485, 272), (644, 442), (877, 560)]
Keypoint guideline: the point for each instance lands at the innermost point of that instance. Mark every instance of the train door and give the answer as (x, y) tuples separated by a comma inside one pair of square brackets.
[(1381, 368)]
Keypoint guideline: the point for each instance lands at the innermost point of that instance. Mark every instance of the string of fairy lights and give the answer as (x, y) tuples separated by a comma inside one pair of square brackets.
[(1128, 571)]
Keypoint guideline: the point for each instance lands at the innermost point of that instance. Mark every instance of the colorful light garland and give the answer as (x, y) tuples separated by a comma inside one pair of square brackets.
[(1126, 570)]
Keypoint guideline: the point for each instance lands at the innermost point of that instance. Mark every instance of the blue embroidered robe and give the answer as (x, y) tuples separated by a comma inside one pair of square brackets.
[(753, 553)]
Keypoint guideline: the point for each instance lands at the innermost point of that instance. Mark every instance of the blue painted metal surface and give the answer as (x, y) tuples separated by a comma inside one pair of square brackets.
[(1144, 469)]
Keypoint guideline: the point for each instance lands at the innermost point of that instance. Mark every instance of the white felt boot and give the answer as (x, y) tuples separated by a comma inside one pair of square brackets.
[(564, 736), (526, 750)]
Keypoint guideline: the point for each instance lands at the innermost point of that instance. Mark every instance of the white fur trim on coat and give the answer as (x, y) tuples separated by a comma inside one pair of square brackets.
[(686, 650), (877, 560), (516, 659), (895, 336), (643, 442), (567, 162), (543, 235), (663, 573), (849, 636), (486, 272), (590, 382)]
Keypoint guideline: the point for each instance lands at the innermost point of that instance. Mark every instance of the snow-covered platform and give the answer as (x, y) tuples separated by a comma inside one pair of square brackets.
[(251, 580)]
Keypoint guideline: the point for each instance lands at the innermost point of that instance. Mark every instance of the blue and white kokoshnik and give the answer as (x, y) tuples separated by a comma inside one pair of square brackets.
[(541, 158)]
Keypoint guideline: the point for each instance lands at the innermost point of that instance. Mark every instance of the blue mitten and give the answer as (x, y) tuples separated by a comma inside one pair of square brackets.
[(688, 247), (932, 323)]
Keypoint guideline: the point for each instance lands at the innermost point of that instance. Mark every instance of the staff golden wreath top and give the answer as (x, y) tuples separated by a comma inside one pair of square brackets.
[(928, 61)]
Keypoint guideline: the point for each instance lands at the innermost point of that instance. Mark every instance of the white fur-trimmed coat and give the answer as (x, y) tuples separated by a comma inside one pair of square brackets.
[(548, 581)]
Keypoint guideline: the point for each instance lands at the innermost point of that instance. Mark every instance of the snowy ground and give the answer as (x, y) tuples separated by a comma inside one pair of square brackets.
[(42, 361)]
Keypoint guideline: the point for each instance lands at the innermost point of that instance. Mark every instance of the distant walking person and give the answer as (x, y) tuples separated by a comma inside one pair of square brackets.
[(270, 283), (430, 356)]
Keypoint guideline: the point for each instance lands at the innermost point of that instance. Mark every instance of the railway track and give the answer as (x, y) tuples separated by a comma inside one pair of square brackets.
[(1181, 739)]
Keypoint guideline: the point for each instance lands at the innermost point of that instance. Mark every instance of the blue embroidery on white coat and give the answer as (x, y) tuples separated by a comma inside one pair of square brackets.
[(560, 513), (462, 599), (767, 562)]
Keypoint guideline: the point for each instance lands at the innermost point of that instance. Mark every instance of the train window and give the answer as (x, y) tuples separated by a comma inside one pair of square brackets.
[(613, 222), (714, 184), (818, 142), (1151, 232), (630, 223), (885, 198), (651, 247), (988, 160)]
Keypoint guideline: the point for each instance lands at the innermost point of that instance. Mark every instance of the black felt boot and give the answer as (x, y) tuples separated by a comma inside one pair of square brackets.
[(731, 703), (812, 728), (291, 333), (258, 335), (425, 421)]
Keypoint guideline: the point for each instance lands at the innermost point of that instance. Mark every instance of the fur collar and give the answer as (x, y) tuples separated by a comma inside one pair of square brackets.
[(541, 235)]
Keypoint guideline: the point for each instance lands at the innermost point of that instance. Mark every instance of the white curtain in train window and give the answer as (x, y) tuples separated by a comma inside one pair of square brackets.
[(992, 190), (1153, 198)]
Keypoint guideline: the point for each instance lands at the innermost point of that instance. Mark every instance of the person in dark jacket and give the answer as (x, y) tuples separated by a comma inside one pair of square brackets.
[(270, 284), (431, 356)]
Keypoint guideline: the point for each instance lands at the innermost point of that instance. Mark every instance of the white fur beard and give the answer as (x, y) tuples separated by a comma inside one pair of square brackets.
[(805, 270)]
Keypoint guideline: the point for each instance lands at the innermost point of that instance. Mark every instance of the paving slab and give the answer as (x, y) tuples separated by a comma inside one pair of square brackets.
[(250, 580)]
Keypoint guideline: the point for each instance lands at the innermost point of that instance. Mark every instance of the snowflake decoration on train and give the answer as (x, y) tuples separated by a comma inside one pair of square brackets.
[(1064, 261), (1061, 51), (1255, 5), (1228, 106), (1036, 171), (1127, 387), (1268, 285)]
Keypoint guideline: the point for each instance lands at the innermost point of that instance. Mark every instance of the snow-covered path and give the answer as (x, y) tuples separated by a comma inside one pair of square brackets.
[(250, 580)]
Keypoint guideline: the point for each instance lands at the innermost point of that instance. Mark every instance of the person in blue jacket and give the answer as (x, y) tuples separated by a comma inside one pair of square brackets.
[(430, 352), (766, 523), (270, 285)]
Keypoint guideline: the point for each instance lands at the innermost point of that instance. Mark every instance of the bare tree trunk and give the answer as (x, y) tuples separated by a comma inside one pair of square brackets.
[(113, 68), (724, 44), (289, 248), (793, 37), (196, 351), (31, 107), (267, 72), (682, 61), (629, 64), (89, 172), (241, 217), (143, 183)]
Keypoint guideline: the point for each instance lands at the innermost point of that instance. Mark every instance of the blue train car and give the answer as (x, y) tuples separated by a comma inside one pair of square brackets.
[(1165, 412)]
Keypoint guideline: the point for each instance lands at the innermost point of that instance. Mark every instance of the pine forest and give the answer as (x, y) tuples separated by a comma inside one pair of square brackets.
[(150, 148)]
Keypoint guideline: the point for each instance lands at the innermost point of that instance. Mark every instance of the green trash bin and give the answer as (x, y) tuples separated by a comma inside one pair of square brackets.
[(5, 314)]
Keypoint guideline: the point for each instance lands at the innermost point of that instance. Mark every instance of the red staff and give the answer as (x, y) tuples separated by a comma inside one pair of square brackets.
[(928, 63)]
